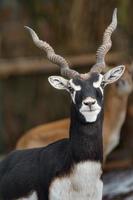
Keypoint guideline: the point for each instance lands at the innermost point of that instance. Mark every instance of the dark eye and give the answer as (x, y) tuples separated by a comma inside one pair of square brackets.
[(70, 89), (102, 84)]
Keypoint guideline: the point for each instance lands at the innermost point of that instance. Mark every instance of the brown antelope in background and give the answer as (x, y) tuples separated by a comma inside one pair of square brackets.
[(115, 110), (114, 117)]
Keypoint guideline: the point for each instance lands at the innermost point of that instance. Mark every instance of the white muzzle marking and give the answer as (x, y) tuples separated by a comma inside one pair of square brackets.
[(90, 114)]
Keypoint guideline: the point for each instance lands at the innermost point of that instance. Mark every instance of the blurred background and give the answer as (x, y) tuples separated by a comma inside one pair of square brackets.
[(75, 29)]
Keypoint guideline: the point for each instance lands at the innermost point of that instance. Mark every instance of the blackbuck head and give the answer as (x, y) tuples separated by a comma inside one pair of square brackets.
[(86, 90)]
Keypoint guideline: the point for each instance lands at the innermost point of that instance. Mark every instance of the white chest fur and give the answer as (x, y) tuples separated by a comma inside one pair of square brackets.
[(82, 184), (33, 196)]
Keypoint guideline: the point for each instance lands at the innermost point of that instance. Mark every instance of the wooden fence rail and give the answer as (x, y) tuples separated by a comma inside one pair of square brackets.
[(25, 66)]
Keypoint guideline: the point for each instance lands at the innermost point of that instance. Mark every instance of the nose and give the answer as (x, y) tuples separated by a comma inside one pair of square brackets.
[(89, 102), (121, 82)]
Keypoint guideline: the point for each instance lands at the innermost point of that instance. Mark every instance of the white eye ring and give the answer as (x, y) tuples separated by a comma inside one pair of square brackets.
[(75, 87), (98, 83)]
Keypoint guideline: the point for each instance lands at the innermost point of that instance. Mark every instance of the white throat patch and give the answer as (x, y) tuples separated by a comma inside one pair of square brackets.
[(90, 116)]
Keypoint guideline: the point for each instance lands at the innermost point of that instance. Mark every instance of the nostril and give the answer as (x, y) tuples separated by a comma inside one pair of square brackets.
[(86, 103), (93, 102), (89, 103), (121, 82)]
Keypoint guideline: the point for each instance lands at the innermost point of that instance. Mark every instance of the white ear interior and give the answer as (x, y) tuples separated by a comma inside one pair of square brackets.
[(58, 82), (114, 74)]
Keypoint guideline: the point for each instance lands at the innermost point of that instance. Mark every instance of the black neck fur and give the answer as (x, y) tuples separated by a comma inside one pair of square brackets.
[(86, 138)]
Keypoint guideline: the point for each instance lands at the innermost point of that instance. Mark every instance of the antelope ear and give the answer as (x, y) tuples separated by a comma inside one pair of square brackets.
[(113, 74), (58, 82)]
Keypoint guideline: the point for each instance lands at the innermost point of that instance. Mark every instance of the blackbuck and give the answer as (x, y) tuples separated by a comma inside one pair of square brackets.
[(117, 95), (70, 168)]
